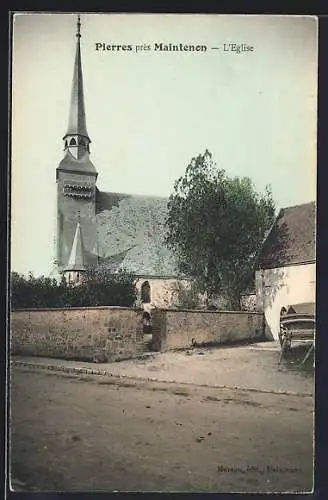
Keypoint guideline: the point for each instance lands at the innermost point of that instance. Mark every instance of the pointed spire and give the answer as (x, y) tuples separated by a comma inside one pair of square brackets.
[(77, 121), (76, 260), (78, 26), (76, 139)]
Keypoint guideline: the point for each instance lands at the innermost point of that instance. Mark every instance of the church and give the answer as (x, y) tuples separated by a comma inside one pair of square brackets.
[(114, 230)]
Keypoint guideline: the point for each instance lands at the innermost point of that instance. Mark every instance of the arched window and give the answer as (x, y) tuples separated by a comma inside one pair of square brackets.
[(66, 144), (81, 142), (145, 292), (72, 142)]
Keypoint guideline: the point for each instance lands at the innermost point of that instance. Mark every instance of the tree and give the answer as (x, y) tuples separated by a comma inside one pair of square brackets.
[(186, 296), (215, 226)]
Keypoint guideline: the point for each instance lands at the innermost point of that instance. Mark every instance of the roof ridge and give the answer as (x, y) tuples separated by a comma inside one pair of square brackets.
[(135, 195), (299, 205)]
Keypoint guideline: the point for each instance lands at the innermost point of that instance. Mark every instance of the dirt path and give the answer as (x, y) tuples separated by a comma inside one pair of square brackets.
[(96, 433), (245, 367)]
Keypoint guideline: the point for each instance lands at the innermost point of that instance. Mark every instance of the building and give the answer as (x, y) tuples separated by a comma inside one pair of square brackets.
[(114, 230), (286, 268)]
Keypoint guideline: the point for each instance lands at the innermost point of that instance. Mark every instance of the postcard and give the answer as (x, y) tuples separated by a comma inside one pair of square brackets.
[(163, 220)]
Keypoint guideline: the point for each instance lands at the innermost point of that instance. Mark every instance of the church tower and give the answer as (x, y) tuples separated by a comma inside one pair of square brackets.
[(76, 178)]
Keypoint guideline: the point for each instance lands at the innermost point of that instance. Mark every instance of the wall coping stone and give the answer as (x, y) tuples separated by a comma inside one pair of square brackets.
[(161, 277), (258, 313), (109, 308)]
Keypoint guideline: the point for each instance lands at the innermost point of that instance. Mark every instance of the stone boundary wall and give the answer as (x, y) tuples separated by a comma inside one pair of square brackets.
[(88, 334), (183, 328)]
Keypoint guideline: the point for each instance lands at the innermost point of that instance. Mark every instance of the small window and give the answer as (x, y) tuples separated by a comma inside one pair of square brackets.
[(145, 292)]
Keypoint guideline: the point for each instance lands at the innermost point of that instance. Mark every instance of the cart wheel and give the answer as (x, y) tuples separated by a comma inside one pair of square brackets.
[(288, 344), (281, 339), (283, 349), (282, 335), (285, 345)]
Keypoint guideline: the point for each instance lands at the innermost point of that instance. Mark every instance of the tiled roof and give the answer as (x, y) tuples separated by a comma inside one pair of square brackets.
[(76, 261), (292, 238), (82, 165), (131, 231)]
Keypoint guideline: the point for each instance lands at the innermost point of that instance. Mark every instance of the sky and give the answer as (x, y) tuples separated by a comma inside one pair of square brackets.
[(149, 112)]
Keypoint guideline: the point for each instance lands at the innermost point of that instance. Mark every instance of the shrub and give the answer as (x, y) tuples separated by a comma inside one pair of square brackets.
[(99, 287)]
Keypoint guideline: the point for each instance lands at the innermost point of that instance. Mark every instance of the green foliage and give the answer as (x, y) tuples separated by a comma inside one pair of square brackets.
[(186, 297), (215, 226), (98, 288), (35, 292), (102, 287)]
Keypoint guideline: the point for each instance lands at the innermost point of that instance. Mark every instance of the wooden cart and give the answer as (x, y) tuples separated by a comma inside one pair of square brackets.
[(297, 325)]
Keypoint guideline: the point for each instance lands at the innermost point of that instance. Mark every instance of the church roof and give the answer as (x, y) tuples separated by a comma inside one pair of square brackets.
[(77, 122), (131, 232), (76, 258), (291, 239), (82, 165)]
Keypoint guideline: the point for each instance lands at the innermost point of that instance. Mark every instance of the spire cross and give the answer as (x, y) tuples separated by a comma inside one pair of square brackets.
[(78, 26)]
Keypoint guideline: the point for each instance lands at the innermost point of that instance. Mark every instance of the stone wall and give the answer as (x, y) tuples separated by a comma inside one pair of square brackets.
[(91, 334), (178, 329), (163, 291), (164, 294)]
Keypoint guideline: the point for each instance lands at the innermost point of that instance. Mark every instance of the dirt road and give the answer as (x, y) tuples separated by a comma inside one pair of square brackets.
[(254, 366), (94, 433)]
